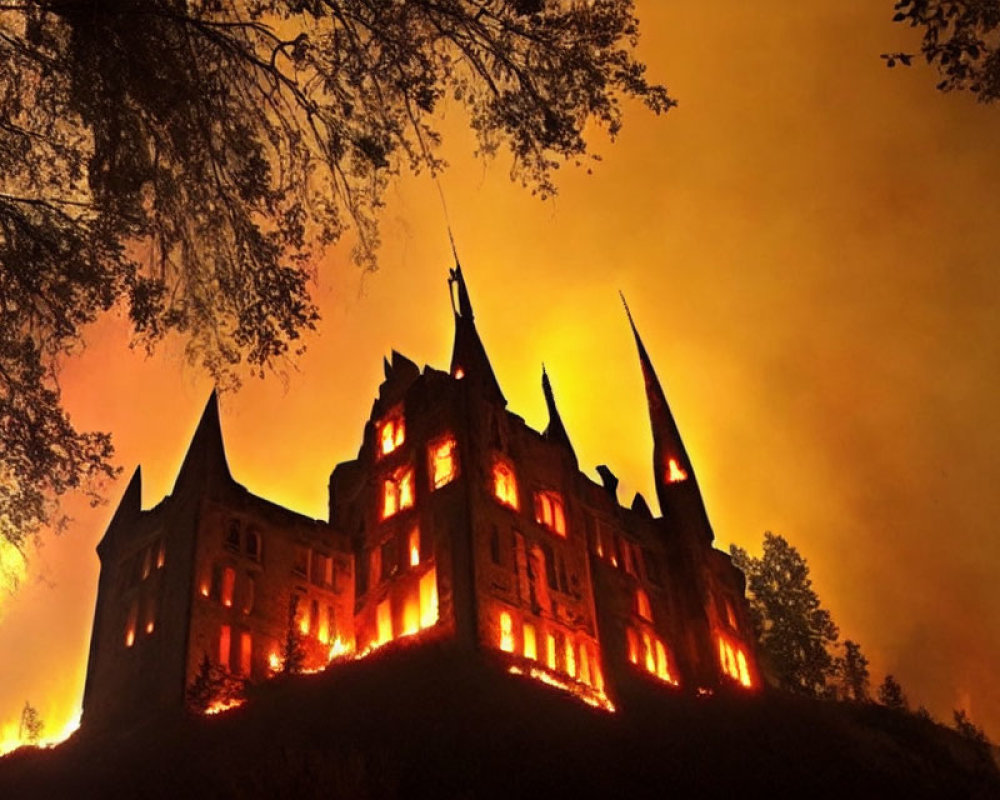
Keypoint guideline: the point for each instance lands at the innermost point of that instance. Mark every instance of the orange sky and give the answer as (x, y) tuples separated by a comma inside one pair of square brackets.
[(808, 245)]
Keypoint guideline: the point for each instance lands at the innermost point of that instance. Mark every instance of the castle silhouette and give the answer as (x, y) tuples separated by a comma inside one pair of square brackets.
[(456, 523)]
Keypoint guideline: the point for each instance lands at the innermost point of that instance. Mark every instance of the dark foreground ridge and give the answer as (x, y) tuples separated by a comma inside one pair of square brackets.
[(414, 722)]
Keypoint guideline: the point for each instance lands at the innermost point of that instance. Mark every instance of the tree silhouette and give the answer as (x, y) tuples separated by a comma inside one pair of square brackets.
[(186, 159), (967, 728), (853, 668), (794, 632), (890, 694), (293, 652), (31, 727), (959, 40), (213, 684)]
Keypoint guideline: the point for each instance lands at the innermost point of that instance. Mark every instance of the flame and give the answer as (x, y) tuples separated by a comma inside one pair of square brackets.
[(591, 697), (530, 646), (459, 373), (339, 649), (506, 633), (219, 706), (392, 434), (733, 661), (674, 472), (383, 621), (429, 598), (411, 614), (443, 462), (504, 485), (274, 662), (415, 547), (149, 626)]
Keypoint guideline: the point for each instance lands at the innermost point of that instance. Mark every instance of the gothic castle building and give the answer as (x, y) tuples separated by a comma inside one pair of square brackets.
[(455, 523)]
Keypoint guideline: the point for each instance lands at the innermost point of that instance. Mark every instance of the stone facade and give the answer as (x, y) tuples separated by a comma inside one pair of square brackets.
[(456, 521)]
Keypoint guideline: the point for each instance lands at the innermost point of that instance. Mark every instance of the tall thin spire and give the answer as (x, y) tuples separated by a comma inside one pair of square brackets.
[(468, 357), (555, 431), (676, 485), (206, 456)]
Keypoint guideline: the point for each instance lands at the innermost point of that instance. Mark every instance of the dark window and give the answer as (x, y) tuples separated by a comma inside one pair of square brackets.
[(563, 583), (652, 570), (318, 576), (233, 535), (301, 566), (361, 576), (253, 544), (390, 558), (495, 545), (550, 566)]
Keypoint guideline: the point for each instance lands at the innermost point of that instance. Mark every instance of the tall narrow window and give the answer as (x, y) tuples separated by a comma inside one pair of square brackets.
[(391, 433), (248, 594), (323, 629), (495, 545), (233, 535), (252, 548), (397, 492), (414, 547), (383, 621), (550, 651), (444, 462), (314, 617), (375, 566), (642, 605), (246, 653), (161, 554), (662, 670), (504, 484), (428, 598), (647, 643), (741, 660), (130, 623), (584, 664), (506, 632), (224, 643), (549, 512), (530, 645), (301, 565), (633, 646), (411, 612), (228, 585), (147, 562), (570, 658)]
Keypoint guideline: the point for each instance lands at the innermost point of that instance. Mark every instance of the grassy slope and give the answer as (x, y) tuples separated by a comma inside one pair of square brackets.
[(421, 722)]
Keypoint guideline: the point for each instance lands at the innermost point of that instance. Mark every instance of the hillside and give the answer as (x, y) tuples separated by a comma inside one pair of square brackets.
[(422, 722)]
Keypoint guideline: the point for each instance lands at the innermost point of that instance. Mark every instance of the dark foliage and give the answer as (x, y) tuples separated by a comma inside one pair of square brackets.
[(186, 159), (853, 669), (31, 727), (428, 723), (794, 632), (213, 684), (890, 694), (960, 39)]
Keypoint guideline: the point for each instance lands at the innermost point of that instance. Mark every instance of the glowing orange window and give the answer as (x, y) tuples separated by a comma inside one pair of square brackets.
[(741, 660), (633, 646), (246, 651), (642, 605), (228, 584), (675, 473), (506, 632), (411, 612), (504, 484), (414, 547), (549, 511), (444, 462), (647, 643), (383, 619), (130, 625), (428, 598), (550, 651), (224, 634), (662, 670), (391, 433), (161, 555), (530, 644), (570, 659), (397, 492)]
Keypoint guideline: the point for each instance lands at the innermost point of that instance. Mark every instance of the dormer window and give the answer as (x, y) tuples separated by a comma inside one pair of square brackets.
[(504, 484), (444, 462), (549, 512), (391, 433), (397, 492)]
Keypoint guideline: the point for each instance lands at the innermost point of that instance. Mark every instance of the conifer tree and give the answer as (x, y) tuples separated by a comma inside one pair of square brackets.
[(31, 727), (890, 694), (794, 631), (854, 674)]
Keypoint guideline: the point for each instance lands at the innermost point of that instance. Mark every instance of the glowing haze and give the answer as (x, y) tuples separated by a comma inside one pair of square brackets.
[(808, 246)]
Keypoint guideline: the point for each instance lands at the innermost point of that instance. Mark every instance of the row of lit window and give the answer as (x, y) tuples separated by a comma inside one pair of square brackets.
[(398, 487), (315, 566), (152, 556), (223, 588), (313, 618), (132, 620), (622, 553), (733, 660), (645, 649), (385, 561), (235, 654), (579, 663), (420, 610), (549, 509)]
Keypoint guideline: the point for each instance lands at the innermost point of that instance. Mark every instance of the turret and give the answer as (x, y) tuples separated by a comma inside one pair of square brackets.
[(555, 431), (676, 485), (468, 358), (205, 462)]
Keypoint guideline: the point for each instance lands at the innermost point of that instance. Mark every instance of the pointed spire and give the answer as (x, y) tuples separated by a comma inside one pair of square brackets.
[(676, 485), (468, 356), (129, 507), (556, 431), (206, 455)]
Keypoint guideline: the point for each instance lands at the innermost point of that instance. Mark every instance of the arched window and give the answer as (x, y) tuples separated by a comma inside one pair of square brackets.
[(504, 484)]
